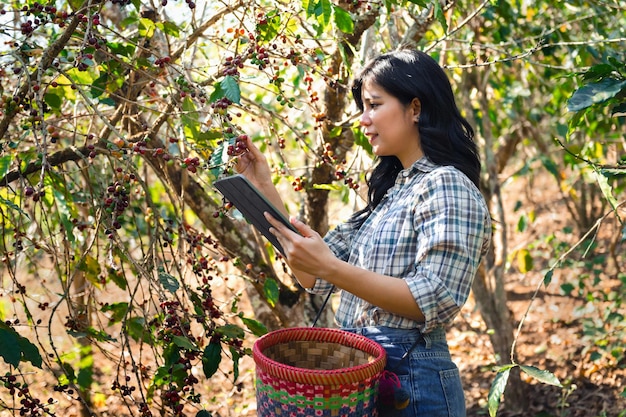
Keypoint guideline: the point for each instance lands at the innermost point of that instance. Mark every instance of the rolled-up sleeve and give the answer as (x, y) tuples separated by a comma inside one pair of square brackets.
[(450, 221)]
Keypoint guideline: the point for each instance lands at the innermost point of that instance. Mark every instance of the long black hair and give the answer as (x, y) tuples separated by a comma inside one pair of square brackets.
[(446, 137)]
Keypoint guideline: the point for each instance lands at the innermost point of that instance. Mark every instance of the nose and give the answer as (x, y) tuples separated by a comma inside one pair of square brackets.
[(365, 120)]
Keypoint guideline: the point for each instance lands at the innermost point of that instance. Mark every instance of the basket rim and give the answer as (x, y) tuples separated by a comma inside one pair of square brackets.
[(348, 375)]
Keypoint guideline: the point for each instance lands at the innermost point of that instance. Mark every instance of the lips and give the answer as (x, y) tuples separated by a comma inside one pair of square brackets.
[(371, 137)]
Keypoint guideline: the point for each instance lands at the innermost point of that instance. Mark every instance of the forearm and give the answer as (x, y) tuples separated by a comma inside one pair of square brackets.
[(389, 293), (309, 257), (306, 280)]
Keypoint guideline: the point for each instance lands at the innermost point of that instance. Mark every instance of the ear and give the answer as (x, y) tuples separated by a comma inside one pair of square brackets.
[(416, 108)]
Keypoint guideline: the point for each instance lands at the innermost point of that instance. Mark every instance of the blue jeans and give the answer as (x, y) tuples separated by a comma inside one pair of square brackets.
[(428, 373)]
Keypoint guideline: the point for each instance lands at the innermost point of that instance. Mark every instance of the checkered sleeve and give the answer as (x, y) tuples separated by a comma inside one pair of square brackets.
[(449, 219)]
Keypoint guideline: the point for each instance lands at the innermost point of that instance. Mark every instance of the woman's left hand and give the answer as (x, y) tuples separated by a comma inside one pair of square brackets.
[(306, 251)]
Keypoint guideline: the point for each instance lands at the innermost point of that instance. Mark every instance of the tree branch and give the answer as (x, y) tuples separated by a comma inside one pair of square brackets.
[(47, 59)]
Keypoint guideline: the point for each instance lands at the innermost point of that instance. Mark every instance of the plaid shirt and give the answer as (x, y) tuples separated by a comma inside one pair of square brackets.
[(431, 229)]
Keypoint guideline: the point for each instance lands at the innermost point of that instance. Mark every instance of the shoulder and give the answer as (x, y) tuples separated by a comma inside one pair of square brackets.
[(445, 179), (439, 185)]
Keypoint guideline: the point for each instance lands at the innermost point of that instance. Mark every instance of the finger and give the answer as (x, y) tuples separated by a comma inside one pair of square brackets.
[(279, 237), (253, 149), (301, 227), (279, 226)]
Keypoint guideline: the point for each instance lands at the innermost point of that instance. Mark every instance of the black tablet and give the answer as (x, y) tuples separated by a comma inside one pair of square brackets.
[(252, 204)]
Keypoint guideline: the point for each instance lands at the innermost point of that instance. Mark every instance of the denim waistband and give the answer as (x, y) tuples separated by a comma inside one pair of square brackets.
[(395, 335)]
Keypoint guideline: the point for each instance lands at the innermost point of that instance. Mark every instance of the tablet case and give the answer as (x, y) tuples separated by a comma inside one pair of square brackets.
[(252, 204)]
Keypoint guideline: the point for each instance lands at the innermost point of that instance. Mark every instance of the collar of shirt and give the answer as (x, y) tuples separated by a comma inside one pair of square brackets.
[(422, 165)]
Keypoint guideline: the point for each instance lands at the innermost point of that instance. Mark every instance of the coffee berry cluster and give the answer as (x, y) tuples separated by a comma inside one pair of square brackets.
[(28, 405)]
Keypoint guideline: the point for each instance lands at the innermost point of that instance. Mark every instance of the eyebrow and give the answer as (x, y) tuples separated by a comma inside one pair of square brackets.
[(372, 97)]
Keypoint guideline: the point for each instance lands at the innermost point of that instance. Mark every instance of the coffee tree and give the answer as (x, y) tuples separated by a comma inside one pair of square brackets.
[(116, 119), (122, 264)]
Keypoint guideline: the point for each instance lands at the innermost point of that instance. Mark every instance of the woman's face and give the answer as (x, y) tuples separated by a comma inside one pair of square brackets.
[(391, 127)]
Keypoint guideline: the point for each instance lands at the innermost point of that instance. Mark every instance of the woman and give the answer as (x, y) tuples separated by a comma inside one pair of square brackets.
[(406, 262)]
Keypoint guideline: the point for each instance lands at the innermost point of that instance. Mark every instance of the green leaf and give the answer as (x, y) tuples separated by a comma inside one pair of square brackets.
[(136, 328), (191, 125), (606, 189), (69, 373), (323, 12), (271, 291), (441, 16), (497, 389), (118, 311), (567, 288), (14, 207), (228, 88), (9, 347), (5, 165), (231, 89), (619, 110), (218, 157), (595, 93), (211, 359), (53, 100), (171, 354), (203, 413), (270, 28), (30, 352), (146, 27), (547, 279), (15, 348), (108, 101), (361, 141), (328, 187), (309, 7), (540, 375), (257, 328), (598, 72), (236, 356), (343, 20), (85, 377), (65, 209), (169, 28), (81, 77), (99, 85), (99, 335), (118, 278), (551, 167), (231, 331), (122, 49), (184, 343), (90, 266), (168, 281), (168, 374)]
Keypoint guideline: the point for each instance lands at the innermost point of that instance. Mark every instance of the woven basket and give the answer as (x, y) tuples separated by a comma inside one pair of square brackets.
[(306, 371)]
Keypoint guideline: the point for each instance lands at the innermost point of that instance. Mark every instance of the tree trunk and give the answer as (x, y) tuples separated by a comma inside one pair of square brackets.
[(488, 285), (491, 300)]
